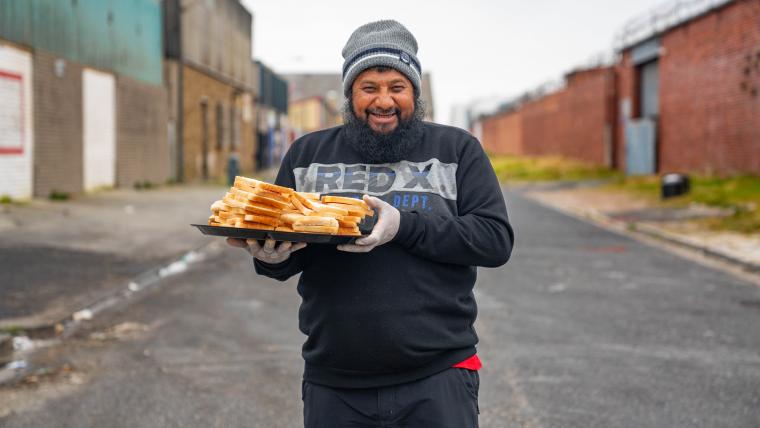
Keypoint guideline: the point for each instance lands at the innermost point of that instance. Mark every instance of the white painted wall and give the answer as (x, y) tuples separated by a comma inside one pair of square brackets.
[(99, 116), (16, 130)]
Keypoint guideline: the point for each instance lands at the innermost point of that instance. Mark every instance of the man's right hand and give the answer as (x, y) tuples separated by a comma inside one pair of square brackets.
[(267, 253)]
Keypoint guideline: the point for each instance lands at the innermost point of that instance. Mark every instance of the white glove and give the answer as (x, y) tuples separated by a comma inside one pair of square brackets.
[(267, 253), (385, 229)]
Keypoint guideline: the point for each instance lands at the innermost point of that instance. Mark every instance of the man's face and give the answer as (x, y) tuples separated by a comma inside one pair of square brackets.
[(382, 99)]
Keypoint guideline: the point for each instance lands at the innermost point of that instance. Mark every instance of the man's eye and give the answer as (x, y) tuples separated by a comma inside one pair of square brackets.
[(399, 88), (368, 89)]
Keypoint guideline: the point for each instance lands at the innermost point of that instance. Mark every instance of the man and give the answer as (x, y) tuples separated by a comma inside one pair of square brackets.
[(389, 319)]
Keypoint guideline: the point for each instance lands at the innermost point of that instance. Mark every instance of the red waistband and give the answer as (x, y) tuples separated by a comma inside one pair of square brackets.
[(472, 363)]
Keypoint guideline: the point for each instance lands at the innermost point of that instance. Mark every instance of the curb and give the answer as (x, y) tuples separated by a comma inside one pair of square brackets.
[(14, 365), (658, 233), (135, 287), (599, 218), (6, 348)]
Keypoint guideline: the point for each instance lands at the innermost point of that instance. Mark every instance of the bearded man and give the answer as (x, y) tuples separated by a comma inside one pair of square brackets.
[(389, 319)]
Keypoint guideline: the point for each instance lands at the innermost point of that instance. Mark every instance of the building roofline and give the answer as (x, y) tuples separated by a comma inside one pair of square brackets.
[(664, 19)]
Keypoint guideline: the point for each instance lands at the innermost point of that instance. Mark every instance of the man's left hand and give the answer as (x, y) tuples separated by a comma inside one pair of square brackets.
[(385, 229)]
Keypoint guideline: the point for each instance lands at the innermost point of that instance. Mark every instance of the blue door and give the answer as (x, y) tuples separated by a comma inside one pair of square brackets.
[(641, 133), (641, 142)]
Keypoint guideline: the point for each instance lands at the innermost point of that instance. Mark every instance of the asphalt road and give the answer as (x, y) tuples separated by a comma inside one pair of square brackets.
[(582, 328)]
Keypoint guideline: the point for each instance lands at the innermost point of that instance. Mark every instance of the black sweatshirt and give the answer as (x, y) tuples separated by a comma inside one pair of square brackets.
[(405, 310)]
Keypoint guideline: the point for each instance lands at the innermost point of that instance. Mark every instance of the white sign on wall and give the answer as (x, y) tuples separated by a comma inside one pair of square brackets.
[(16, 140), (11, 113)]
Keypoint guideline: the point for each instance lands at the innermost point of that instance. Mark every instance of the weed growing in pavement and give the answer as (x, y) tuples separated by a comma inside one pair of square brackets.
[(743, 220), (13, 330), (57, 195), (7, 200), (144, 185)]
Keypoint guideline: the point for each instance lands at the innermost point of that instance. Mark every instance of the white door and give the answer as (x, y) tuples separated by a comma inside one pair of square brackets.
[(16, 137), (99, 112)]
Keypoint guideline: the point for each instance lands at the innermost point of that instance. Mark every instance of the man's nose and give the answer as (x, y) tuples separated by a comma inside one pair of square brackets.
[(384, 101)]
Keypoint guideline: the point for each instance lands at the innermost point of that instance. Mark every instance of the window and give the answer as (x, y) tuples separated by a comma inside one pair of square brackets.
[(219, 127)]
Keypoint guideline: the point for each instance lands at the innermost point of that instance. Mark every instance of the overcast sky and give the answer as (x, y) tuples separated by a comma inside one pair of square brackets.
[(474, 49)]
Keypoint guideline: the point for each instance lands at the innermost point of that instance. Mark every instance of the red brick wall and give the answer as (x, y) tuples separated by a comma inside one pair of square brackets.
[(502, 133), (569, 123), (542, 125), (710, 118), (589, 107)]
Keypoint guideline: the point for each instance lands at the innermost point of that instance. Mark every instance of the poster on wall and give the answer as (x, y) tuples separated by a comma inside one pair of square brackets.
[(11, 114)]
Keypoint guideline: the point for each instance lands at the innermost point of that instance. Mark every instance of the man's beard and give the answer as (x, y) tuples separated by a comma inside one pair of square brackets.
[(374, 147)]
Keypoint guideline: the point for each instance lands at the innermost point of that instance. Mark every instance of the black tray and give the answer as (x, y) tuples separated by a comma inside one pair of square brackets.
[(365, 227)]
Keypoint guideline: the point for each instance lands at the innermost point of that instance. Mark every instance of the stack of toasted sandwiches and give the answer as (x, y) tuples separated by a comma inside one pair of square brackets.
[(254, 204)]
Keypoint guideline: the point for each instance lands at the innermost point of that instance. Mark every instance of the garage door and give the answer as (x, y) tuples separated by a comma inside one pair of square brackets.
[(99, 108)]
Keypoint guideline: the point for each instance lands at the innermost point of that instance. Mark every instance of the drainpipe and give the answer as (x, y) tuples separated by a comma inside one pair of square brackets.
[(180, 100)]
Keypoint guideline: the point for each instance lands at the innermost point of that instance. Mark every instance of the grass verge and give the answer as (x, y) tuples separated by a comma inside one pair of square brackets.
[(550, 168), (740, 194)]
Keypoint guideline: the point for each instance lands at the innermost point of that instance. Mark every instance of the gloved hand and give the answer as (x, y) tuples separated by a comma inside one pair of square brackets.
[(385, 229), (267, 253)]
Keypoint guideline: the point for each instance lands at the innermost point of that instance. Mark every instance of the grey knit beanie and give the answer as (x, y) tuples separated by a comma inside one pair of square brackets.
[(381, 43)]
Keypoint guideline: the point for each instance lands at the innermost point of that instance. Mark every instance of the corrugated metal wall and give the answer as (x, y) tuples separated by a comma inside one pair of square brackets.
[(123, 36)]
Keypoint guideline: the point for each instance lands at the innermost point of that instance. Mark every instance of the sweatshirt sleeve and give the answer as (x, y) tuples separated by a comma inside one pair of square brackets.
[(480, 235), (295, 263)]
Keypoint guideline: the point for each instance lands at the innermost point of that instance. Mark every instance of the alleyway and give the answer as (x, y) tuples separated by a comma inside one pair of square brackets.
[(582, 328)]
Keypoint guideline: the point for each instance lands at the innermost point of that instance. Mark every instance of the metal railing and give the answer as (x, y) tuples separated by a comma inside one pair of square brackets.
[(661, 18), (640, 28)]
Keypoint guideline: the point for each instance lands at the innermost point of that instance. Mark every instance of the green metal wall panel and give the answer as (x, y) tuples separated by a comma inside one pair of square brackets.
[(120, 35), (273, 89), (16, 19)]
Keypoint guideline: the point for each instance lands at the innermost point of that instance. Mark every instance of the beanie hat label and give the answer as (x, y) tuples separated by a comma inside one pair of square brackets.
[(381, 52)]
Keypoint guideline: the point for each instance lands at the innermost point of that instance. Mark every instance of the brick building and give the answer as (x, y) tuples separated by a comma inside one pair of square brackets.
[(210, 81), (696, 84), (312, 114), (83, 102), (576, 121), (315, 101), (683, 95)]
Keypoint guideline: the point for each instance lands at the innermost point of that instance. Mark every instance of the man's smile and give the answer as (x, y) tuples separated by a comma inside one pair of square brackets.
[(381, 119)]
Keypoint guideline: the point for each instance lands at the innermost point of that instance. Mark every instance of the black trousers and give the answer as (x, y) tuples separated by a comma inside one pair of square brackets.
[(447, 399)]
